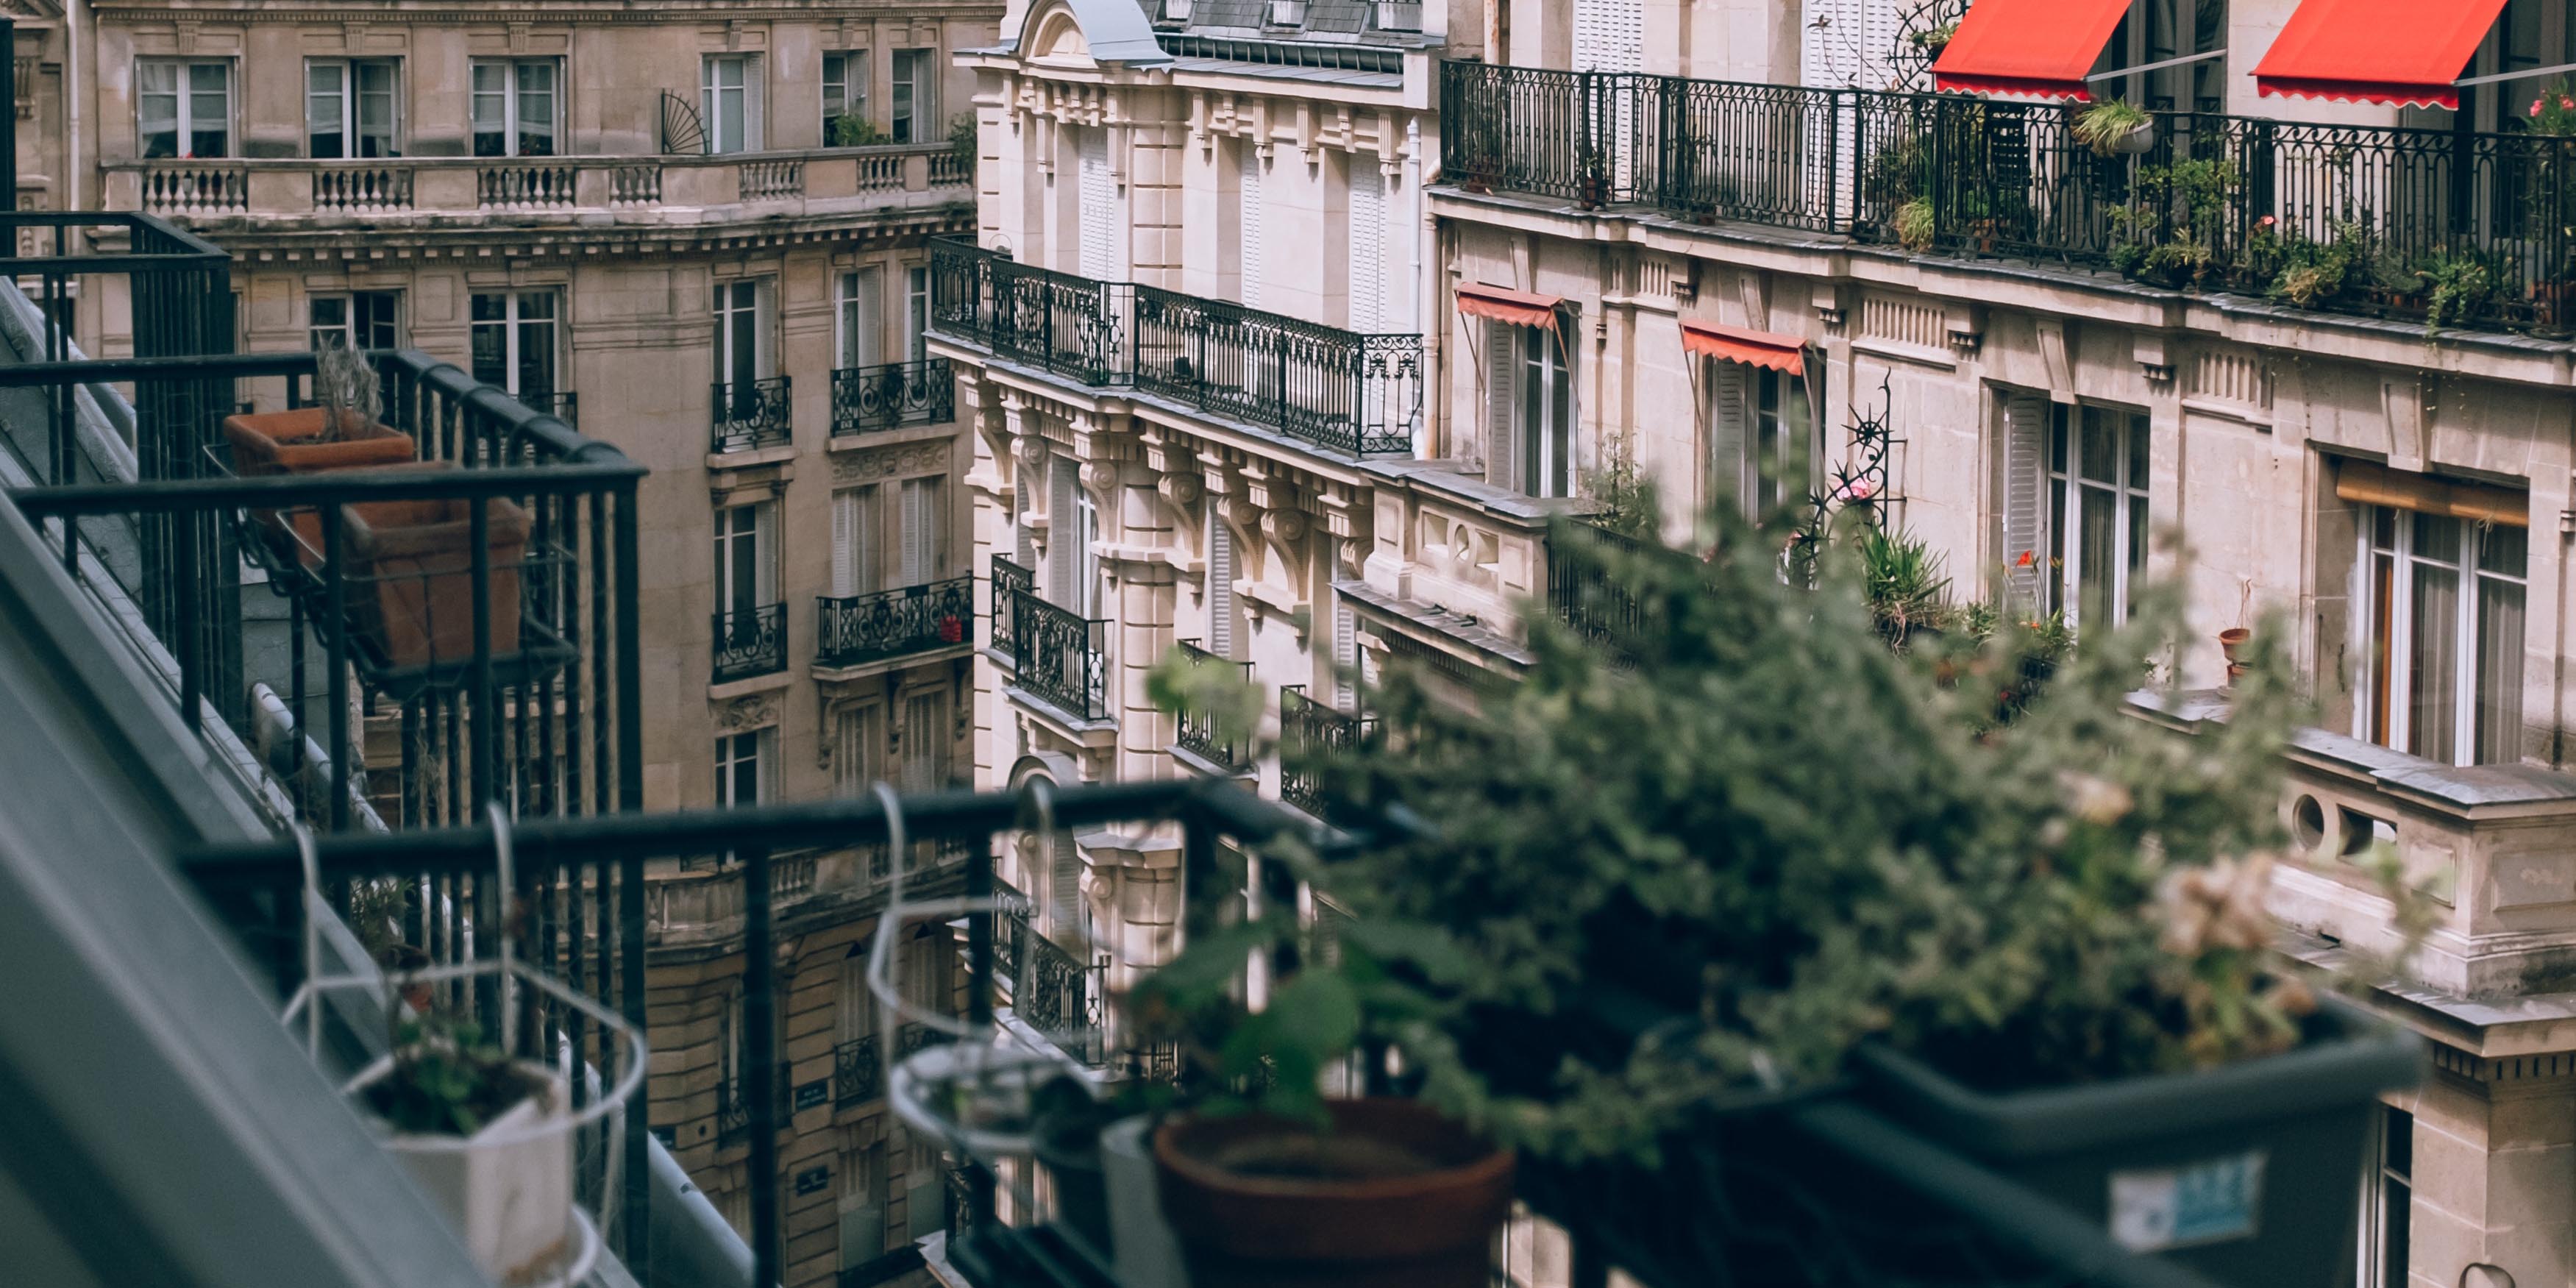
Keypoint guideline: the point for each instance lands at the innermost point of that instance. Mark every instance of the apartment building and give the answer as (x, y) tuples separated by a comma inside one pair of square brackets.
[(702, 236)]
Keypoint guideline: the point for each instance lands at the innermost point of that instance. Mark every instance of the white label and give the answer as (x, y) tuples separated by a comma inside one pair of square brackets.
[(2204, 1203)]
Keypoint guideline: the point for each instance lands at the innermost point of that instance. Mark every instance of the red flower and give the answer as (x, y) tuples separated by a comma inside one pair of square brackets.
[(2024, 561), (951, 630)]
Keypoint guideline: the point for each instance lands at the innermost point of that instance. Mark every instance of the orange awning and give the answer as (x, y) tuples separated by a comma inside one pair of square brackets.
[(1746, 345), (2040, 47), (1503, 304), (2405, 52)]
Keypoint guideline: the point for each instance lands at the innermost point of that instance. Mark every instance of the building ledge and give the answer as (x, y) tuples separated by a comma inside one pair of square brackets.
[(2500, 1028), (751, 684), (1438, 627), (2480, 791), (1083, 731), (843, 674)]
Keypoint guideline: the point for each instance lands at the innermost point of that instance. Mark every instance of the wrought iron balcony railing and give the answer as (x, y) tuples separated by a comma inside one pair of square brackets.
[(1062, 658), (1009, 580), (2465, 227), (1334, 389), (562, 404), (1196, 731), (750, 642), (858, 629), (1308, 728), (1595, 604), (733, 1106), (868, 399), (750, 414)]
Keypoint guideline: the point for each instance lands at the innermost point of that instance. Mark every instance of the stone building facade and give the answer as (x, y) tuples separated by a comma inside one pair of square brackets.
[(700, 234)]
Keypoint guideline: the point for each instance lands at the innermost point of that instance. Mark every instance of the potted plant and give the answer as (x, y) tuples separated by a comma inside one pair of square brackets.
[(1828, 863), (1915, 224), (488, 1138), (2115, 127), (414, 561), (340, 431)]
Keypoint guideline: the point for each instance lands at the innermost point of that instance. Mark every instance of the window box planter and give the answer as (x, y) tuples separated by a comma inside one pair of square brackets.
[(2242, 1173), (292, 442), (508, 1187), (1395, 1196), (414, 562)]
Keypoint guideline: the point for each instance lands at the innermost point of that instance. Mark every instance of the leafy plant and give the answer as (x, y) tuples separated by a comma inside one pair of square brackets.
[(2104, 124), (2168, 233), (852, 130), (2553, 111), (1902, 579), (1628, 504), (961, 140), (1915, 224), (2462, 285), (446, 1080)]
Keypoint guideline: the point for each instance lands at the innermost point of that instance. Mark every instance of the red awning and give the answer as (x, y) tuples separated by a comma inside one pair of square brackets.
[(1503, 304), (1746, 345), (2405, 52), (2041, 47)]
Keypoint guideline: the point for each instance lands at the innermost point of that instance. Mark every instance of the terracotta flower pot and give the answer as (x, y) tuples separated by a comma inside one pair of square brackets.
[(293, 442), (2233, 639), (413, 564), (1394, 1196)]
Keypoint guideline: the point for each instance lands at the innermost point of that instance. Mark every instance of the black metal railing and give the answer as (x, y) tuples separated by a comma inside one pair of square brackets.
[(1598, 606), (562, 404), (1195, 731), (733, 1105), (750, 414), (1309, 729), (750, 642), (2466, 228), (1057, 993), (1335, 389), (858, 1071), (858, 629), (1062, 658), (1010, 579), (869, 399)]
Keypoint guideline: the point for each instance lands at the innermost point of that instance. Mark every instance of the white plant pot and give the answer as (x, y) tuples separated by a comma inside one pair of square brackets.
[(507, 1188), (2137, 142), (1147, 1254)]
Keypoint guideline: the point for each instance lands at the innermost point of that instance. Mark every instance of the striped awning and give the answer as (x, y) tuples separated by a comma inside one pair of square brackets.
[(1744, 344), (1503, 304), (2043, 48)]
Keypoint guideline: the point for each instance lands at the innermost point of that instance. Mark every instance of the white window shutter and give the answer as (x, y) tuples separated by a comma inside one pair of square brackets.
[(764, 327), (868, 344), (1248, 189), (917, 531), (1099, 200), (1064, 885), (845, 523), (1220, 586), (765, 551), (1064, 533), (1502, 427), (1728, 453), (2025, 497), (755, 103), (1368, 245), (1346, 651)]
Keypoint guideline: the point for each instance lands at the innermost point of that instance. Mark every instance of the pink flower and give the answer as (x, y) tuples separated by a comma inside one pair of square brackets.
[(2566, 104), (2535, 107), (2265, 222)]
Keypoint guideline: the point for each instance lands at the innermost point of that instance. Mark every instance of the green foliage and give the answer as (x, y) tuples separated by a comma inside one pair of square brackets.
[(2168, 232), (1903, 582), (2462, 284), (961, 139), (1915, 224), (855, 131), (446, 1080), (2103, 125), (2553, 110), (1628, 502)]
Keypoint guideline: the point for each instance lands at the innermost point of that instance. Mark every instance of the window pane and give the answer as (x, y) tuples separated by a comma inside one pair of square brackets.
[(2499, 696), (536, 109), (2383, 601), (536, 354), (376, 110), (2433, 679), (491, 340), (2139, 437), (2101, 446), (2057, 439), (2052, 579), (157, 106), (2100, 548), (323, 107)]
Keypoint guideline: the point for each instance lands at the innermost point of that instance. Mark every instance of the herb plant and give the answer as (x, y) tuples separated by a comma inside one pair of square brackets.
[(446, 1080)]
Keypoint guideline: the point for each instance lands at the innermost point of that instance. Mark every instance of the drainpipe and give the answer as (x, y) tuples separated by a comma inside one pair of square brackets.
[(9, 104), (2558, 680), (1413, 266)]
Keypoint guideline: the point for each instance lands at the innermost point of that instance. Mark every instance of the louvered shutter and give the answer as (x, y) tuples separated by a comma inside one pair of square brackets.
[(1248, 189), (2025, 488), (1064, 883), (923, 738), (1346, 651), (1099, 198), (1610, 37), (1220, 587), (1064, 534), (1729, 484), (1368, 246), (1502, 428), (845, 536), (915, 529)]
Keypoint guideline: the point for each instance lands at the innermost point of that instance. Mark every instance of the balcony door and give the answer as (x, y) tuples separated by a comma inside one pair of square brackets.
[(746, 564), (862, 318), (916, 95), (743, 356), (854, 541), (515, 344), (514, 107), (2441, 628), (350, 108), (1096, 206), (1529, 410), (729, 102)]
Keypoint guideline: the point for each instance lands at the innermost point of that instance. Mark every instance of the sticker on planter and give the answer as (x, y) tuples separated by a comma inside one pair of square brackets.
[(2178, 1207)]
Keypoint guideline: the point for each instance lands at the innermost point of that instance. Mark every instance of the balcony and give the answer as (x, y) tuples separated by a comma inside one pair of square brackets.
[(733, 1106), (858, 1066), (1308, 728), (1333, 389), (2462, 228), (750, 643), (1196, 731), (1009, 581), (748, 415), (562, 404), (859, 629), (1062, 658), (246, 196), (1053, 990), (867, 400)]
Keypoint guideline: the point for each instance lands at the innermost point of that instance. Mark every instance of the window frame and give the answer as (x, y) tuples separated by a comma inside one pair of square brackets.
[(351, 113), (2064, 483), (183, 94), (2384, 692), (512, 95), (1544, 415), (753, 749), (854, 321), (350, 322), (762, 535), (1763, 424), (513, 326), (912, 96), (710, 96), (916, 313), (854, 70), (2388, 1172), (726, 304)]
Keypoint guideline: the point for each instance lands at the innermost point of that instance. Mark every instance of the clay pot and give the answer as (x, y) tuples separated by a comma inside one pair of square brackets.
[(411, 565), (1394, 1196), (293, 442), (2233, 639)]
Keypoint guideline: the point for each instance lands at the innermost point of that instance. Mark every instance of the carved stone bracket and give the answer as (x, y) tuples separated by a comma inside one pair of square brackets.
[(758, 711)]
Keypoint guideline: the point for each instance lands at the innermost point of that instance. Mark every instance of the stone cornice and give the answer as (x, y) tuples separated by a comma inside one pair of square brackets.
[(556, 13), (250, 242)]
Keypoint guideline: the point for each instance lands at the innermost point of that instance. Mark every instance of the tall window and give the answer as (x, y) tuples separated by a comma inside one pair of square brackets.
[(746, 562), (514, 107), (2075, 506), (349, 108), (2388, 1195), (916, 93), (742, 332), (861, 1205), (923, 543), (2442, 620), (355, 320), (1760, 438), (926, 740), (729, 102), (916, 314), (845, 99), (742, 768), (855, 541), (862, 314), (1529, 410), (515, 341), (184, 108)]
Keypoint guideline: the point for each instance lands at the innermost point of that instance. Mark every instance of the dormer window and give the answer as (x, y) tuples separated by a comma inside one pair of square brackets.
[(1399, 15), (1287, 13), (1174, 11)]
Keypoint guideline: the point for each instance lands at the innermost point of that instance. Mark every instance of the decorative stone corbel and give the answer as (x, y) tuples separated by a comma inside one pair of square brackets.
[(1966, 325), (1828, 303), (2154, 358)]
